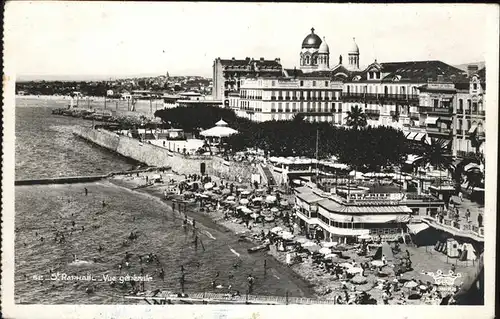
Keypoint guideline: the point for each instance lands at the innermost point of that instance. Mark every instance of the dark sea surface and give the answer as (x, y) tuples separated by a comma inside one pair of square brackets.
[(45, 147)]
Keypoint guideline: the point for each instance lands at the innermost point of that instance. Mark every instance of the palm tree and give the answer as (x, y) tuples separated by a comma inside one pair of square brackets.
[(437, 155), (356, 118)]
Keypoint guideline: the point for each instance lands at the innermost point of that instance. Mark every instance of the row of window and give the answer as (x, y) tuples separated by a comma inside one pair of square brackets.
[(374, 89), (301, 83), (473, 106)]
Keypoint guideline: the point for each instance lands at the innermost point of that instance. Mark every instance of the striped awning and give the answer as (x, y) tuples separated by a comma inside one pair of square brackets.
[(443, 142), (411, 136), (419, 136), (472, 128)]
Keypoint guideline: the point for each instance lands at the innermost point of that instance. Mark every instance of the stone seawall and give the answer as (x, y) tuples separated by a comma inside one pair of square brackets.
[(158, 156), (60, 180)]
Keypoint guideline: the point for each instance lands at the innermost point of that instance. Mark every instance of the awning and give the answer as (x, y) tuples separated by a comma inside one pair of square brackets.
[(472, 128), (411, 136), (444, 142), (417, 228), (471, 166), (419, 136), (431, 120)]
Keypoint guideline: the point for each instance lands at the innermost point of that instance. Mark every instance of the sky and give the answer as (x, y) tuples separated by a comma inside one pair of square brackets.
[(115, 39)]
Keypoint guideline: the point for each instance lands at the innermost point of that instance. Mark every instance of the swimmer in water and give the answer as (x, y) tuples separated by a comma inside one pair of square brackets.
[(73, 223), (99, 249), (83, 228)]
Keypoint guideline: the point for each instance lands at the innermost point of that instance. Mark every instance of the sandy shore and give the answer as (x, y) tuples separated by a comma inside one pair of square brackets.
[(313, 278), (214, 220)]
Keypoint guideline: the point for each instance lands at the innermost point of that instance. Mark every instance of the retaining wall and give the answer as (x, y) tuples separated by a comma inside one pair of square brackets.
[(158, 156)]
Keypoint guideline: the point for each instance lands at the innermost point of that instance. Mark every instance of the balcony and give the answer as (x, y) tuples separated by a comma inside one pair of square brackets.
[(435, 110), (438, 131), (280, 98), (273, 98)]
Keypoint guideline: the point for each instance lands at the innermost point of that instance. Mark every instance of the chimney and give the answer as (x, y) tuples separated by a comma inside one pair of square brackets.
[(233, 58), (277, 60), (472, 69), (262, 59), (440, 78)]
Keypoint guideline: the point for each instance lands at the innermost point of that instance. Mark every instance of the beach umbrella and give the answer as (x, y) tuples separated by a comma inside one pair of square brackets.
[(345, 265), (325, 251), (359, 279), (246, 210), (274, 210), (244, 201), (209, 186), (241, 189), (301, 240), (377, 263), (284, 203), (286, 235), (308, 244), (203, 195), (257, 199), (245, 193), (268, 218), (231, 198), (270, 199), (355, 270), (254, 215), (331, 256), (410, 284), (276, 229)]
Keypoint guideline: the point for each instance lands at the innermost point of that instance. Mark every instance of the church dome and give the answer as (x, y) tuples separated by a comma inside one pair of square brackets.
[(323, 48), (354, 47), (312, 41)]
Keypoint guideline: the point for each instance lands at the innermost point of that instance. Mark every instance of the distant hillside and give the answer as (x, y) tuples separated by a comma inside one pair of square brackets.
[(464, 66)]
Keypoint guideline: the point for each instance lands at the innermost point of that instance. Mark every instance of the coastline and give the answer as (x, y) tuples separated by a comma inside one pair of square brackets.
[(214, 220)]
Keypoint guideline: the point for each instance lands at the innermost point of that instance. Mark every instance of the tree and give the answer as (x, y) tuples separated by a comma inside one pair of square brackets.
[(356, 118), (437, 155)]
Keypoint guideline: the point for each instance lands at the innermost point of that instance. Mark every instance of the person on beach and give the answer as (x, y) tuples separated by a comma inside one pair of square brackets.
[(195, 241), (103, 204), (86, 191)]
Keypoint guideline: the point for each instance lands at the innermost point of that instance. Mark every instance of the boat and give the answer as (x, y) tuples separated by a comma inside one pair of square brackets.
[(263, 247)]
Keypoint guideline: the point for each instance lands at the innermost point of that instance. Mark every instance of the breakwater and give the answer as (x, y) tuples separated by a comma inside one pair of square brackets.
[(157, 156), (80, 179)]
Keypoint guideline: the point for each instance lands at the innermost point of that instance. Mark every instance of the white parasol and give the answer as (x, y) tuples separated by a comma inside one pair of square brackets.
[(244, 201), (377, 263), (284, 203), (345, 265), (274, 210), (325, 251), (254, 215), (231, 198), (276, 229), (286, 235), (354, 270), (245, 193), (410, 284), (331, 256), (270, 199), (257, 199), (209, 186), (308, 244)]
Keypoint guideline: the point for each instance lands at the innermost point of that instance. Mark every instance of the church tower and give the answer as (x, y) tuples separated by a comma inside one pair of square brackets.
[(353, 56), (323, 56)]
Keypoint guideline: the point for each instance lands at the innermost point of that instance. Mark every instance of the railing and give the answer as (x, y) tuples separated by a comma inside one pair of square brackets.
[(438, 110), (454, 225), (438, 130)]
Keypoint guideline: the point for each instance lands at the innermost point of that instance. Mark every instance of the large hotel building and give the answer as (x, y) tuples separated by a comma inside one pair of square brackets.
[(425, 99)]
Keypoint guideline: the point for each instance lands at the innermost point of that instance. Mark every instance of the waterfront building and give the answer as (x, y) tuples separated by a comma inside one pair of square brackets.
[(227, 74), (343, 217), (313, 94)]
